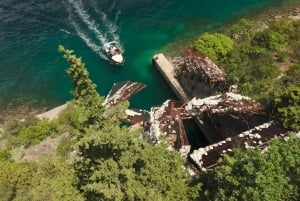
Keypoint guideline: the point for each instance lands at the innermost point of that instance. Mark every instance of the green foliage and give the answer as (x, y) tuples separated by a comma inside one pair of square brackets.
[(284, 26), (54, 190), (50, 180), (270, 39), (216, 46), (5, 155), (65, 147), (116, 164), (13, 126), (292, 76), (279, 33), (84, 92), (54, 180), (83, 87), (242, 30), (253, 69), (253, 175), (74, 116), (282, 56), (15, 179), (295, 47), (117, 112), (259, 59), (34, 134), (29, 131), (286, 105)]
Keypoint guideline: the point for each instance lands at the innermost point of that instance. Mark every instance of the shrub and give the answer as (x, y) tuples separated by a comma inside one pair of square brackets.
[(5, 155), (216, 46), (292, 76), (242, 30), (286, 107), (270, 39), (31, 134), (65, 147)]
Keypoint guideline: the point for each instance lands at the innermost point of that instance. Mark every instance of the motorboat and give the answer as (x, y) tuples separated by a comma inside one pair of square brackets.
[(114, 52)]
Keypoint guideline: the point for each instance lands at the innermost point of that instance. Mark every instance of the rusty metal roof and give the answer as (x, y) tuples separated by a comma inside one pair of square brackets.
[(207, 157), (122, 91)]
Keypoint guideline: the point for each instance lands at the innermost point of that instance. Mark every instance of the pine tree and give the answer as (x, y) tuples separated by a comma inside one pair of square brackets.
[(116, 164), (85, 93)]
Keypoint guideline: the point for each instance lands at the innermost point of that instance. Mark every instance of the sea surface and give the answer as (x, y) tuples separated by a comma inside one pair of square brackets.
[(33, 71)]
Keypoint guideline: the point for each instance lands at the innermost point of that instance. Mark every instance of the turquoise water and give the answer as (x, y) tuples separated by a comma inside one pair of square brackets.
[(31, 31)]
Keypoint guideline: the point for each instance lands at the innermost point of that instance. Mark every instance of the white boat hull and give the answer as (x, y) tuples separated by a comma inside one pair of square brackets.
[(114, 53)]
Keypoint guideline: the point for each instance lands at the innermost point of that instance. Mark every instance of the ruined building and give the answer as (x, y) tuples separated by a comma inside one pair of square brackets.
[(227, 120), (198, 74)]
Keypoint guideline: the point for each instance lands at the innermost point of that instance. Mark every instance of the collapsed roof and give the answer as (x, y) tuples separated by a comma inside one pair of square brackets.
[(207, 157), (166, 122), (167, 119)]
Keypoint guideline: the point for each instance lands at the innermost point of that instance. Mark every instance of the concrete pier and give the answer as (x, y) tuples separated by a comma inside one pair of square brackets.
[(167, 70)]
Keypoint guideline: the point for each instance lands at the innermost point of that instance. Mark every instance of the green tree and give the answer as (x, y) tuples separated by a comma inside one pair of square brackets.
[(270, 39), (256, 175), (85, 93), (116, 164), (34, 134), (29, 131), (15, 179), (292, 76), (53, 181), (216, 46), (242, 30), (284, 26), (48, 180), (286, 106), (5, 155)]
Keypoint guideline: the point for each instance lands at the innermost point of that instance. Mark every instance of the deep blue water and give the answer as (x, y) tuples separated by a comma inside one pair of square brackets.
[(31, 30)]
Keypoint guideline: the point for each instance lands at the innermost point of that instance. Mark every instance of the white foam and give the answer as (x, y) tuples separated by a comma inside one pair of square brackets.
[(110, 26), (96, 48), (85, 17), (77, 9)]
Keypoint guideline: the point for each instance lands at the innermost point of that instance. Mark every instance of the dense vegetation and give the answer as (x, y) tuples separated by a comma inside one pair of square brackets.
[(98, 159), (216, 45), (263, 61), (271, 174)]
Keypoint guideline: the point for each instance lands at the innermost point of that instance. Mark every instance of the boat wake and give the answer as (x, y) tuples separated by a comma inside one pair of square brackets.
[(93, 26)]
